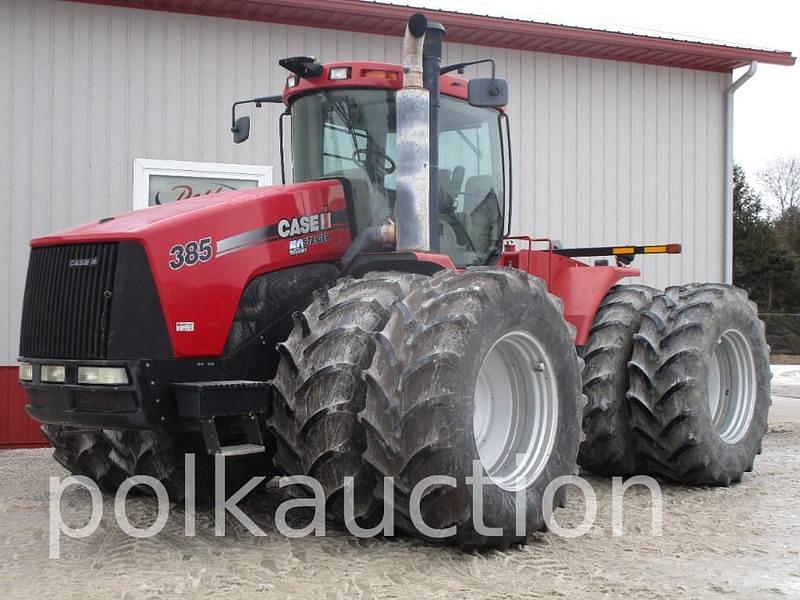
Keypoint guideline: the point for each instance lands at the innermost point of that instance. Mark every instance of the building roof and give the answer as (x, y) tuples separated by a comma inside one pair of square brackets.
[(390, 19)]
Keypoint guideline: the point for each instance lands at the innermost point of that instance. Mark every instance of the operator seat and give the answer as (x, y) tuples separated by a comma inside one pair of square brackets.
[(453, 236), (481, 213), (456, 181)]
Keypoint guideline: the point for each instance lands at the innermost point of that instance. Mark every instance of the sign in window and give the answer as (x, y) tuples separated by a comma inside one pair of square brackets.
[(157, 182)]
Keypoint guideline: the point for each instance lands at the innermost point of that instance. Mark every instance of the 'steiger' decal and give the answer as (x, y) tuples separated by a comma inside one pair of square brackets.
[(299, 226)]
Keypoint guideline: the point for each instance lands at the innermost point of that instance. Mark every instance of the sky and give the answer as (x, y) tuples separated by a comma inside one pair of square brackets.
[(767, 108)]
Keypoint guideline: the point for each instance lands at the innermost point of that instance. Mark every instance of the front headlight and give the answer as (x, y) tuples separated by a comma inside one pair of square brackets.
[(53, 373), (25, 372), (102, 375)]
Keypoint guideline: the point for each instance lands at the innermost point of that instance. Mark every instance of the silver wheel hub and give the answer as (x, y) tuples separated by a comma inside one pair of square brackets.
[(515, 415), (732, 386)]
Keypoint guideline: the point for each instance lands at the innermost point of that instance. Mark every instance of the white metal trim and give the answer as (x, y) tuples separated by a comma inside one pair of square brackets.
[(144, 167)]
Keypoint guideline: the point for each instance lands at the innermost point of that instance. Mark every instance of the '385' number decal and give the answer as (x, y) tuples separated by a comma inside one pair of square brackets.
[(190, 253)]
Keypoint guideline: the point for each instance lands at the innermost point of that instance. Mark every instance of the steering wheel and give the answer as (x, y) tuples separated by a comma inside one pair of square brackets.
[(362, 154)]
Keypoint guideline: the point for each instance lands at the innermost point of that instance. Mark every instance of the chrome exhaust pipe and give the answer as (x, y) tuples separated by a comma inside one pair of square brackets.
[(412, 102)]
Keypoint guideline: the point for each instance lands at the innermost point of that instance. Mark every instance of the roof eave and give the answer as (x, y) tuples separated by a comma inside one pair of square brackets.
[(388, 19)]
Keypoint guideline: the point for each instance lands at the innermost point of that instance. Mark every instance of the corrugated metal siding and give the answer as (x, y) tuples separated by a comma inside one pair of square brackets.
[(604, 152)]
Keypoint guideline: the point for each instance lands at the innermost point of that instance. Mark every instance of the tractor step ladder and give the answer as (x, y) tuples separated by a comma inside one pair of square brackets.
[(238, 403)]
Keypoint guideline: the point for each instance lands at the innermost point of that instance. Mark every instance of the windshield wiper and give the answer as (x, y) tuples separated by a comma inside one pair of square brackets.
[(346, 120), (368, 166)]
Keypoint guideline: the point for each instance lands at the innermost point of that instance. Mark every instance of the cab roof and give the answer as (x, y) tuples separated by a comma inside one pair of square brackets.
[(369, 75)]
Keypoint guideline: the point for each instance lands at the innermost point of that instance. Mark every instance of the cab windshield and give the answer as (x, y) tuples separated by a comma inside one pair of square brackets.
[(350, 134)]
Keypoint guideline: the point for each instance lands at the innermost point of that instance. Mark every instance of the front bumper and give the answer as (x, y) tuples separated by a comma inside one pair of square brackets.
[(146, 403)]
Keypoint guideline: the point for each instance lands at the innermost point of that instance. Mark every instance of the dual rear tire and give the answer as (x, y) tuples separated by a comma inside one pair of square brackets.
[(678, 384), (699, 389)]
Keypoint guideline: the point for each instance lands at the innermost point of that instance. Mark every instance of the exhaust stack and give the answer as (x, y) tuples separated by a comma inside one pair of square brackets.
[(412, 209)]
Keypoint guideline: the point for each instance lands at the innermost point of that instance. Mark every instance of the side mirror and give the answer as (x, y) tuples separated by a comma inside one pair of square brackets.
[(488, 91), (241, 130), (241, 127)]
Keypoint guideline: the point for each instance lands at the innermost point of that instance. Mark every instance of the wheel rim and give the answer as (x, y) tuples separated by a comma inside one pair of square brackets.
[(515, 414), (732, 386)]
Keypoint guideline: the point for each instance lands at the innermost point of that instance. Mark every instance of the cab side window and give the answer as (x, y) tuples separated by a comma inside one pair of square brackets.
[(470, 189)]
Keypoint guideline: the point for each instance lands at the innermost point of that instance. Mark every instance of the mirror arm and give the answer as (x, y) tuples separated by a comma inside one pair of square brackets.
[(461, 66), (277, 99)]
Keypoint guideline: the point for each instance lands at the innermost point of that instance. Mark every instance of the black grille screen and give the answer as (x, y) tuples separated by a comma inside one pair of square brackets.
[(67, 301)]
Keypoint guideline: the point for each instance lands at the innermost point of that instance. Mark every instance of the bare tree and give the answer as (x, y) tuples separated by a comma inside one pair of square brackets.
[(781, 181)]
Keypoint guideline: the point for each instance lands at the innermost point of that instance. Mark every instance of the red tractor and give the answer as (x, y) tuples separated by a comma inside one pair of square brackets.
[(375, 319)]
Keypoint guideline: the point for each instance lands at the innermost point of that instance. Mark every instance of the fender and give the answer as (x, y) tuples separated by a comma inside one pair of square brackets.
[(583, 290), (423, 263), (580, 286)]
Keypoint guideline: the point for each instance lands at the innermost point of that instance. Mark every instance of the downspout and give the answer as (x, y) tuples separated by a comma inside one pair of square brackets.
[(727, 238)]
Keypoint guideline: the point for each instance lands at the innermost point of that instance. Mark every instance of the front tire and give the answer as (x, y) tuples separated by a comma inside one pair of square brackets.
[(86, 453), (699, 385), (318, 388), (479, 366), (108, 457)]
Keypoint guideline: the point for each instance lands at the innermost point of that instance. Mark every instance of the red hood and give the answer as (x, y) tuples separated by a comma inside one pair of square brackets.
[(241, 235), (140, 224)]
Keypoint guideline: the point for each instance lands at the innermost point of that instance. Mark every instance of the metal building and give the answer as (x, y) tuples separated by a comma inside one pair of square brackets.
[(617, 137)]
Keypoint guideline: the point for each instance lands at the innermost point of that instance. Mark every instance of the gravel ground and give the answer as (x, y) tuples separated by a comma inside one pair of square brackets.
[(737, 542)]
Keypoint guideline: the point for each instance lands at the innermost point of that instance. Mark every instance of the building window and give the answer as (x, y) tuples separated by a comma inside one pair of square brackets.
[(158, 182)]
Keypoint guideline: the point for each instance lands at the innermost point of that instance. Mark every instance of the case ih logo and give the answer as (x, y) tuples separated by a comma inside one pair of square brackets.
[(83, 262), (305, 224)]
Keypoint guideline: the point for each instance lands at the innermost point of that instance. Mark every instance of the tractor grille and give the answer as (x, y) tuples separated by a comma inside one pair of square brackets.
[(67, 301)]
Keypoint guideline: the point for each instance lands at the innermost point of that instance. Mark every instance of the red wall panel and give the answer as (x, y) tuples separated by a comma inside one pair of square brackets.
[(17, 429)]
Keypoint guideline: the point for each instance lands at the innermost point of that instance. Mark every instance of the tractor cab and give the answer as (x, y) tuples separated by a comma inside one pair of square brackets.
[(344, 127)]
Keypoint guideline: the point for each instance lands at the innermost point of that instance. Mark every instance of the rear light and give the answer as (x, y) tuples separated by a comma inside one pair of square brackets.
[(291, 81), (26, 372), (339, 73), (53, 373), (102, 375), (391, 75)]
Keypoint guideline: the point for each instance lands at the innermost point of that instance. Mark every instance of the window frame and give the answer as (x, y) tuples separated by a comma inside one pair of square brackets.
[(143, 168)]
